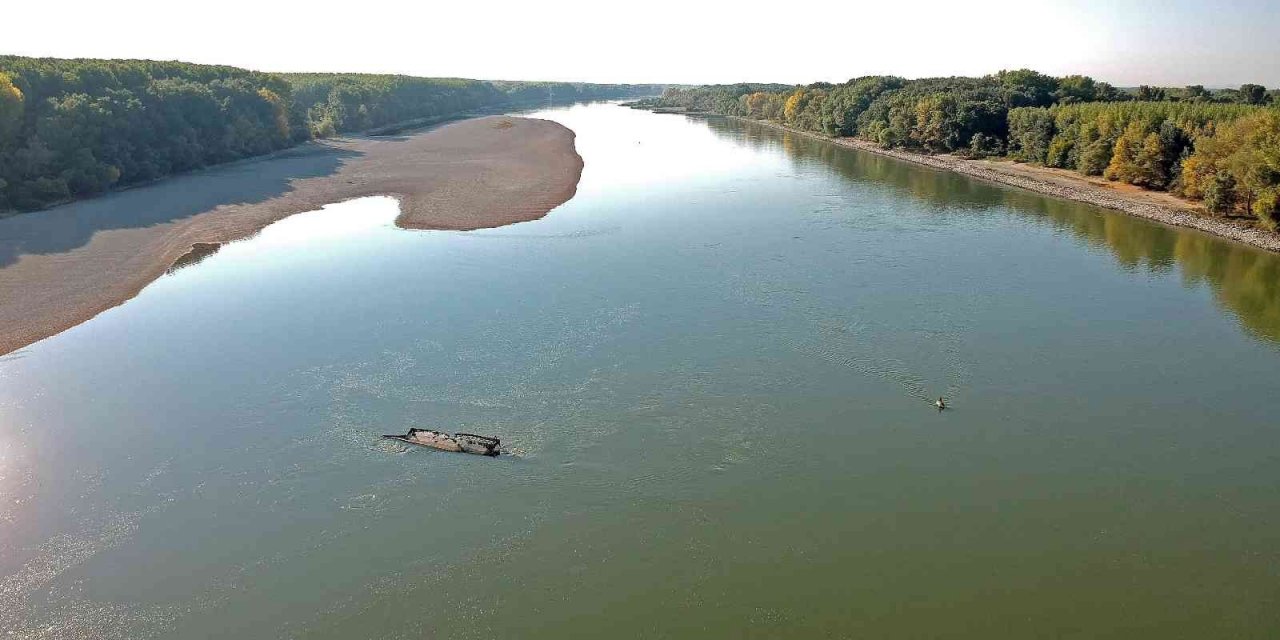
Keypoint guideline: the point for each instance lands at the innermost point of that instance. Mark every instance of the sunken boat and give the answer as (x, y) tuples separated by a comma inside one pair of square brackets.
[(456, 443)]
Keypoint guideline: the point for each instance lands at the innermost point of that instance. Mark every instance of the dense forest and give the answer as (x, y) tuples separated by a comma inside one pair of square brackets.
[(72, 128), (1221, 147)]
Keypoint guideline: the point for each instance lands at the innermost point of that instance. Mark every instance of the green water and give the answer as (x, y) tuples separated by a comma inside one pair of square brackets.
[(714, 367)]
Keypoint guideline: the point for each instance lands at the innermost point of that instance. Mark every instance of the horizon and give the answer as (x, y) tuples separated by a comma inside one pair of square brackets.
[(683, 84), (1185, 44)]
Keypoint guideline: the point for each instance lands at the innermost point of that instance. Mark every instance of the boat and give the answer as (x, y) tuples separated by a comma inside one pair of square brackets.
[(477, 444), (456, 443)]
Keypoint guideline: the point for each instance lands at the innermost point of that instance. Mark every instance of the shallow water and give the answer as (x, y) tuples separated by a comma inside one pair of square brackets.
[(714, 367)]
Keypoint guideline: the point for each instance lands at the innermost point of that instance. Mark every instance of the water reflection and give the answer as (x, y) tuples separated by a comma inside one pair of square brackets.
[(1245, 281), (713, 363)]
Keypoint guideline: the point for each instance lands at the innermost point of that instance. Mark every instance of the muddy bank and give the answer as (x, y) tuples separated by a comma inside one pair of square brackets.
[(62, 266), (1160, 207)]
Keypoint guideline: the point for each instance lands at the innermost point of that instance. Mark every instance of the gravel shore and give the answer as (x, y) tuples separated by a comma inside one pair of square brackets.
[(1077, 189)]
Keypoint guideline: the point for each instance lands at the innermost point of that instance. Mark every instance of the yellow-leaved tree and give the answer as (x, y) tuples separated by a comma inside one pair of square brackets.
[(11, 103), (1243, 156), (279, 111), (791, 108)]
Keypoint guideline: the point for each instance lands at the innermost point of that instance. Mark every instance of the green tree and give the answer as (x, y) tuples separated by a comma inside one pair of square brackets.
[(1030, 133), (1024, 87), (1151, 94), (1190, 141), (983, 146), (1254, 94), (1244, 154), (1149, 164), (1196, 93), (71, 128), (1073, 89), (1220, 194), (937, 124)]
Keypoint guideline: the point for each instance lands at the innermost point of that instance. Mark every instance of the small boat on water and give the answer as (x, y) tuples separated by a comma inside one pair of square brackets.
[(457, 443)]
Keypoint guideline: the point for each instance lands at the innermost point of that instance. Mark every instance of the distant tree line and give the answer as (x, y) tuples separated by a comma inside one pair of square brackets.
[(73, 128), (1222, 147), (325, 104), (528, 92)]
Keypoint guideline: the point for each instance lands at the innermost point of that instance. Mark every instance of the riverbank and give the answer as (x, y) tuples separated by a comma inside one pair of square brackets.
[(62, 266), (1160, 207)]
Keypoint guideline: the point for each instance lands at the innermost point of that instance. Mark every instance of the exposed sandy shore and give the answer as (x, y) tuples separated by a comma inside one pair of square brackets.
[(1161, 207), (62, 266)]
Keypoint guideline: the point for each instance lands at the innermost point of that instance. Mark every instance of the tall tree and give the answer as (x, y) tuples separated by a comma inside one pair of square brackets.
[(1254, 94)]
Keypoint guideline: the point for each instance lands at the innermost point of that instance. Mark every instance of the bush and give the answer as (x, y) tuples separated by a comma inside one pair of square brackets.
[(982, 146), (1220, 194), (1267, 207)]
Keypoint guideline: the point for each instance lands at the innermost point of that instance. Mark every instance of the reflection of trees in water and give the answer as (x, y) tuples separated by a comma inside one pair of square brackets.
[(1245, 281), (935, 187)]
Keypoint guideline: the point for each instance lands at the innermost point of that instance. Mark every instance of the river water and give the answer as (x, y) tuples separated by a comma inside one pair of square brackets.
[(714, 368)]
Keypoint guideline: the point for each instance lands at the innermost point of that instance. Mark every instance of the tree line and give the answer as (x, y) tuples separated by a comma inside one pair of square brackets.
[(73, 128), (1221, 147)]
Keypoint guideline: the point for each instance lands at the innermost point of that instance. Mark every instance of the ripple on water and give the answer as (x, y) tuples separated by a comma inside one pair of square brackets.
[(42, 598)]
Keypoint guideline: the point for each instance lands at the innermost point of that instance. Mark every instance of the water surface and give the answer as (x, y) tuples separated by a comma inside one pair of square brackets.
[(714, 367)]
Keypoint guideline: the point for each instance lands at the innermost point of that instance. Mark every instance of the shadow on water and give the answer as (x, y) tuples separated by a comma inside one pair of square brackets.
[(67, 227), (70, 226), (1245, 281)]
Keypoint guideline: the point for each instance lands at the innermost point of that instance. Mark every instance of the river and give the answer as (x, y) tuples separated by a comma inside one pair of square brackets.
[(714, 368)]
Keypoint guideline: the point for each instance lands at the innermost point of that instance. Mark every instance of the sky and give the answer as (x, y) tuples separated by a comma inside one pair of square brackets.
[(1124, 42)]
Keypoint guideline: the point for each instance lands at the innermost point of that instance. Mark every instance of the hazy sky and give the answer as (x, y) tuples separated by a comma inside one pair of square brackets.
[(1174, 42)]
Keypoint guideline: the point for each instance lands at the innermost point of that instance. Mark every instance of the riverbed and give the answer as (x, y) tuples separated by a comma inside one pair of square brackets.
[(714, 370)]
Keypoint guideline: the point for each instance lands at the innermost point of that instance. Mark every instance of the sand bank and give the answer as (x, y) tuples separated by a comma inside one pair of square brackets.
[(62, 266)]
